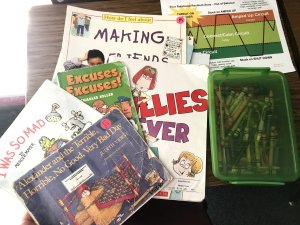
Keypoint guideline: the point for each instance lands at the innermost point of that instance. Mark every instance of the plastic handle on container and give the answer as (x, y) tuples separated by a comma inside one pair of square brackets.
[(257, 182), (246, 70)]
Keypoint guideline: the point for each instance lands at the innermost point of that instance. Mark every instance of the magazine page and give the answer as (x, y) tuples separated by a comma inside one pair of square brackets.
[(146, 37), (51, 119), (171, 100), (103, 87), (236, 33), (100, 177)]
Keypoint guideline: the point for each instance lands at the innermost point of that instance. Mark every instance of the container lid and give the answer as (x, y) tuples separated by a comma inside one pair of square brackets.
[(252, 132)]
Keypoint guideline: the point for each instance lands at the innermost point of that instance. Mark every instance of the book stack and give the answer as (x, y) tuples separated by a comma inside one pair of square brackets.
[(123, 120)]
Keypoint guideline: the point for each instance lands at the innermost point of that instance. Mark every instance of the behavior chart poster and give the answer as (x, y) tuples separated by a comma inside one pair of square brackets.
[(235, 33)]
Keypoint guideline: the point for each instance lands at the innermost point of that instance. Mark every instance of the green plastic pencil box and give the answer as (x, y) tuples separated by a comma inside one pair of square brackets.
[(252, 134)]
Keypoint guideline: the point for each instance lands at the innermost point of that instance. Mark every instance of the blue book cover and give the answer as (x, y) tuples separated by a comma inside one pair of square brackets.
[(101, 177)]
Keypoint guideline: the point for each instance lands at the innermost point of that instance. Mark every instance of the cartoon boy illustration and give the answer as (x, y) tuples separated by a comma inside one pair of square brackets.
[(187, 164), (125, 106), (93, 57), (100, 106), (88, 211), (51, 145), (113, 106), (127, 110), (144, 80)]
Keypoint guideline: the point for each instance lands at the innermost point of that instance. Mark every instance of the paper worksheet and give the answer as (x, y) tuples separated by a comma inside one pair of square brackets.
[(245, 33)]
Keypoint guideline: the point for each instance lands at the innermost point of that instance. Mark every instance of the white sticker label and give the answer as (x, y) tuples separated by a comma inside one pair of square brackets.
[(173, 47), (77, 178)]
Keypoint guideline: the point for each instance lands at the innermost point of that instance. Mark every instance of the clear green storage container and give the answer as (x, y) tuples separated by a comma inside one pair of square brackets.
[(251, 125)]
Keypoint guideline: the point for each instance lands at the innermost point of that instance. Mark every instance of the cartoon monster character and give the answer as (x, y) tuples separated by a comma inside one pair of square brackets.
[(187, 164), (51, 145), (144, 80), (76, 123), (100, 106)]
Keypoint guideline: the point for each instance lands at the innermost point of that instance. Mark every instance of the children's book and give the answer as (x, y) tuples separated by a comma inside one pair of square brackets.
[(51, 119), (145, 37), (103, 87), (236, 33), (171, 100), (100, 177)]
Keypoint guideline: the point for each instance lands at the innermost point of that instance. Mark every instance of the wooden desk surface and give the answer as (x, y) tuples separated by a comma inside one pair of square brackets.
[(45, 34)]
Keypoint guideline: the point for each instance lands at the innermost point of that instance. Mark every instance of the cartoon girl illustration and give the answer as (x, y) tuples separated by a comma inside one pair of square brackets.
[(187, 164), (144, 80)]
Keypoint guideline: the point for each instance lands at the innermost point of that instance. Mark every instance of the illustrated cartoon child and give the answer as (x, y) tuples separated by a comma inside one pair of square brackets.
[(51, 145), (187, 164), (88, 206), (100, 106), (127, 110), (114, 106), (125, 106), (144, 80)]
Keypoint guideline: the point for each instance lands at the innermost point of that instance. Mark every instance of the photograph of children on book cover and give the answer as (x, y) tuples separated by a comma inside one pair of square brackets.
[(101, 177), (171, 100), (80, 24), (146, 37)]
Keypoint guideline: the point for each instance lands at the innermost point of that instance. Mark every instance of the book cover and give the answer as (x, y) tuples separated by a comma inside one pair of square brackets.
[(103, 87), (171, 100), (145, 37), (50, 119), (100, 177)]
